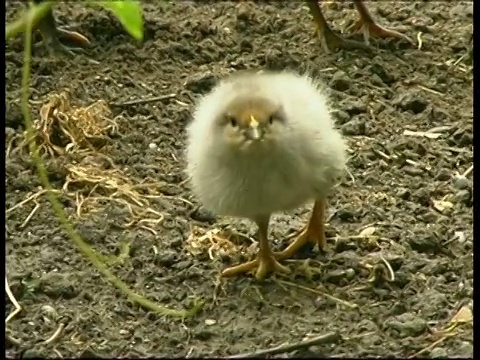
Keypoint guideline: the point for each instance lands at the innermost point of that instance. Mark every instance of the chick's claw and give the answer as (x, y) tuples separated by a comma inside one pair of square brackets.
[(305, 237), (314, 233), (369, 26), (331, 41), (61, 40), (377, 30), (328, 38), (264, 265), (72, 37)]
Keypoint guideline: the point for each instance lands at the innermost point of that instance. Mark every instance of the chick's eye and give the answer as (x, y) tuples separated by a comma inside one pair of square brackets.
[(232, 121), (271, 119)]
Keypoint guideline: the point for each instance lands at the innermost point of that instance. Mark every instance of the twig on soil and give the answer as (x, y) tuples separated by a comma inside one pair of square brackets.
[(430, 347), (144, 101), (55, 335), (14, 301), (350, 174), (29, 217), (329, 338), (462, 316), (408, 161), (190, 352), (419, 40), (382, 154), (361, 237), (389, 268), (30, 198), (430, 90), (468, 171), (456, 62), (315, 291)]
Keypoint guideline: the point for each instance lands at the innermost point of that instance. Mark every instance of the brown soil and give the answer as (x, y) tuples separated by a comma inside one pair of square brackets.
[(401, 185)]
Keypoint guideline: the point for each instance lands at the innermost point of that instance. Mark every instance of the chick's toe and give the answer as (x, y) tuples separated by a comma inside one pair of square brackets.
[(314, 233), (369, 26), (60, 40), (265, 263), (330, 40)]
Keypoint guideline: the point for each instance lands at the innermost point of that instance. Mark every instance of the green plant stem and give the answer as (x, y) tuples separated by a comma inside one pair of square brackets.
[(35, 14), (57, 207)]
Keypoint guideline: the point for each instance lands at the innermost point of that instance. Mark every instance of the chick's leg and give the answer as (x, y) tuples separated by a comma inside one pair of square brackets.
[(369, 26), (314, 232), (265, 261), (328, 38), (60, 40)]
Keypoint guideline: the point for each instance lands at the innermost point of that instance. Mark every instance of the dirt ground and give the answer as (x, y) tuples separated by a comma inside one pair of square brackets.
[(397, 277)]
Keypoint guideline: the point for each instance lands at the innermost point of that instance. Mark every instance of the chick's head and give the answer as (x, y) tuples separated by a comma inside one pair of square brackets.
[(251, 122)]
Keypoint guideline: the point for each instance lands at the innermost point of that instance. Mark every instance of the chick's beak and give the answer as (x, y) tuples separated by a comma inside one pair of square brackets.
[(254, 132)]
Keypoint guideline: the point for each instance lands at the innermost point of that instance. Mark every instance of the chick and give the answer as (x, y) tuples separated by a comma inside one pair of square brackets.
[(330, 40), (60, 40), (263, 142)]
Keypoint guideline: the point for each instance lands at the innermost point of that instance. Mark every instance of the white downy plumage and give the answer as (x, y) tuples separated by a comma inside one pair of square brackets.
[(300, 160)]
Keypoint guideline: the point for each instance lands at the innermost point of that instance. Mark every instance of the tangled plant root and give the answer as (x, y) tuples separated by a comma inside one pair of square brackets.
[(73, 138), (91, 185), (63, 128), (217, 243)]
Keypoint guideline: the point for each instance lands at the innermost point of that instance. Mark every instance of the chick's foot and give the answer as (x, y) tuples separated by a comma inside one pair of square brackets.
[(330, 40), (61, 40), (369, 26), (314, 233), (265, 262), (264, 265)]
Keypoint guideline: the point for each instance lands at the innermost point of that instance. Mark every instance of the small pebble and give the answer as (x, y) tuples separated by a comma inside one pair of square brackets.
[(152, 146), (403, 193), (50, 312), (166, 258), (202, 215), (341, 116), (438, 352), (464, 350), (340, 81), (462, 183), (350, 273), (9, 132), (413, 171), (345, 215), (464, 196), (443, 175), (408, 324), (354, 127), (210, 322), (411, 102), (354, 107)]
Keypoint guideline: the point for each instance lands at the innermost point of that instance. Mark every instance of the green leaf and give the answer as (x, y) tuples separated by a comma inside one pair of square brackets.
[(129, 13)]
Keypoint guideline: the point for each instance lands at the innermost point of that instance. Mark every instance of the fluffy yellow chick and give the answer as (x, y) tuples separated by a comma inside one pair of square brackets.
[(263, 142)]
